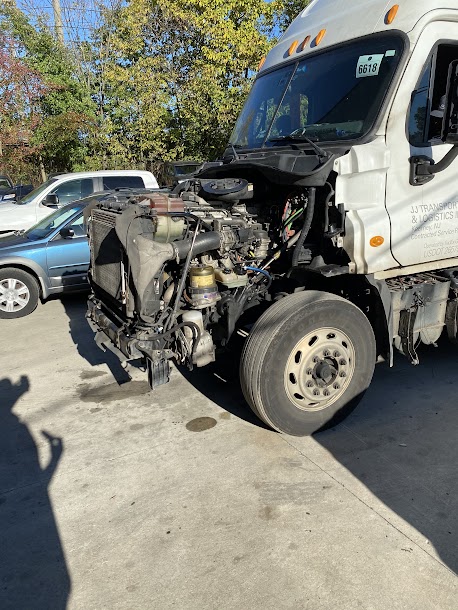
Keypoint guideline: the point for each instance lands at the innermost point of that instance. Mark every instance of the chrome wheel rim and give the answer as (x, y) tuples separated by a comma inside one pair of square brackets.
[(319, 369), (14, 295)]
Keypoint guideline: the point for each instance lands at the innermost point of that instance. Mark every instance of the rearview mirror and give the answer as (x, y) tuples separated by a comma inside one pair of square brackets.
[(51, 200), (67, 233), (450, 123)]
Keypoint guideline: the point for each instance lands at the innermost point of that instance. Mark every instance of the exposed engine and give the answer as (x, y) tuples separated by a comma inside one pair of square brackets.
[(172, 273)]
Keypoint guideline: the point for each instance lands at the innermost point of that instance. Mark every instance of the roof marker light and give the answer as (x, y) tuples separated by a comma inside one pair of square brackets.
[(261, 63), (293, 47), (305, 42), (319, 37), (390, 16)]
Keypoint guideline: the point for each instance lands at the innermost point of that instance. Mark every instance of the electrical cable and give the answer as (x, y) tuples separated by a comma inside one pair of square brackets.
[(306, 227)]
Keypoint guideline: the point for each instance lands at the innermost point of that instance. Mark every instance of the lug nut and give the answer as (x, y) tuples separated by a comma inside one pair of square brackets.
[(316, 392), (309, 371), (326, 353), (343, 362), (310, 384), (336, 354), (326, 393), (336, 386), (343, 374), (316, 359)]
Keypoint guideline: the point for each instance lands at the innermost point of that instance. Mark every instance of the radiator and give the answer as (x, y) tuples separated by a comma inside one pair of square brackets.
[(106, 253)]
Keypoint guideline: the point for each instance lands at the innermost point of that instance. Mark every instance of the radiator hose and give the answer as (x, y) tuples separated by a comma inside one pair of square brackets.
[(203, 242)]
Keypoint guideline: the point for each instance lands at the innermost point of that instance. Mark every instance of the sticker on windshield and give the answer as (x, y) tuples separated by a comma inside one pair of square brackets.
[(368, 65)]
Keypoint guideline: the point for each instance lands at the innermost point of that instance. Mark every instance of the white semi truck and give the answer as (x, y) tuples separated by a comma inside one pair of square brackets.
[(331, 220)]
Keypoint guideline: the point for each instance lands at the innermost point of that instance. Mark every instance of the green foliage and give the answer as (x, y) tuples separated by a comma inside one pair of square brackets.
[(65, 108), (160, 80)]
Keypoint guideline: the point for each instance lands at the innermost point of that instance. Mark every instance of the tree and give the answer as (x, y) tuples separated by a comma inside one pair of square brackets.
[(179, 71), (21, 89), (66, 107)]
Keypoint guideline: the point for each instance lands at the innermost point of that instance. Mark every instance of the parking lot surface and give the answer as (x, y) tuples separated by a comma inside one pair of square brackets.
[(115, 497)]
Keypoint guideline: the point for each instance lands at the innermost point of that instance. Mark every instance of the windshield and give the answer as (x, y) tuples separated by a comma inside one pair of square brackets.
[(184, 170), (333, 96), (49, 224), (28, 198)]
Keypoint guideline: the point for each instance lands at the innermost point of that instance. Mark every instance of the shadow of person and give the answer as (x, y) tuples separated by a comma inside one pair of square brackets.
[(33, 571), (75, 307)]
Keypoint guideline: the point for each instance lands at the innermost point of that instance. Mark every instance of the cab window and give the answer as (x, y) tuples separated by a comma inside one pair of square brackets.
[(427, 106), (119, 182), (72, 190)]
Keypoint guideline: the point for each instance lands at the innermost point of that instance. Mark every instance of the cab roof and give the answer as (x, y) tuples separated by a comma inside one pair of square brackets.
[(344, 20)]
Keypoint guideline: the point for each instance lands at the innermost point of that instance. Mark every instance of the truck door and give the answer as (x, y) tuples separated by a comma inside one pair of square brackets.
[(424, 219)]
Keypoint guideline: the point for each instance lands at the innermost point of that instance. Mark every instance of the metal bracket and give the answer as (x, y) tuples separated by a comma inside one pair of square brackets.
[(406, 325), (419, 170)]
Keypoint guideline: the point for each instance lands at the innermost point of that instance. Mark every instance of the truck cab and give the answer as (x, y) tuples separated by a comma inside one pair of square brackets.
[(333, 216)]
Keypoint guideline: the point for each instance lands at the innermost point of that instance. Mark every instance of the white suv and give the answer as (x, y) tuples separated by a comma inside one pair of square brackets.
[(66, 188)]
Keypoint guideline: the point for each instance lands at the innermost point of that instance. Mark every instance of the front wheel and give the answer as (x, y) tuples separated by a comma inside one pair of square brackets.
[(307, 362), (19, 293)]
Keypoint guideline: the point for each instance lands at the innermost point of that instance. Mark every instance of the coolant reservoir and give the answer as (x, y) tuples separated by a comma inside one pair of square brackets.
[(202, 286), (230, 279)]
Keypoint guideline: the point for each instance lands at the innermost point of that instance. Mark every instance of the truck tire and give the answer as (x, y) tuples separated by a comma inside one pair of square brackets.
[(307, 362), (19, 293)]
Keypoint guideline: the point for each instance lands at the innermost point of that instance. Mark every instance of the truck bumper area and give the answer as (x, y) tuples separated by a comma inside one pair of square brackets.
[(109, 336)]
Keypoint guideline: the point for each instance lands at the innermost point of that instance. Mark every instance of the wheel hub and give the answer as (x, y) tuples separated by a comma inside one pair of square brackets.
[(319, 369), (14, 295), (324, 372)]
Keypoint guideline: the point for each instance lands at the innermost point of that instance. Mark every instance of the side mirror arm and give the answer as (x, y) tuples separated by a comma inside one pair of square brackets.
[(423, 169)]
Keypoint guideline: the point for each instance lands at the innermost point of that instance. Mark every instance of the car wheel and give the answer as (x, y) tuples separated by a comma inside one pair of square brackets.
[(18, 293), (307, 362)]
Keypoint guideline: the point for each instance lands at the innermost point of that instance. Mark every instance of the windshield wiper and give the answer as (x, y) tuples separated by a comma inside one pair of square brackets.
[(302, 138), (19, 232)]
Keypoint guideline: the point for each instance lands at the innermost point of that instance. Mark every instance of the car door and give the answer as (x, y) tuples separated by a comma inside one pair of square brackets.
[(424, 217), (68, 191), (68, 256)]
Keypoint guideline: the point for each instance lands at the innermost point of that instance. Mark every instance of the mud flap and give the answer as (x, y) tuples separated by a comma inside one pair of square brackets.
[(158, 372), (406, 326), (451, 320)]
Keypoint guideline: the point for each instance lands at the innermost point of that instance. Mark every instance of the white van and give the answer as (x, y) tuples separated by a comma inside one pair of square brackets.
[(66, 188)]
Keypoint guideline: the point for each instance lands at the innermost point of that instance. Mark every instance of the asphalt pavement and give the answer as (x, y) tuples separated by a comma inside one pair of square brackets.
[(113, 497)]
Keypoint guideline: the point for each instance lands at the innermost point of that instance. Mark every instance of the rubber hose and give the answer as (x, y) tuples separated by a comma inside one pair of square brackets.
[(205, 241), (306, 228)]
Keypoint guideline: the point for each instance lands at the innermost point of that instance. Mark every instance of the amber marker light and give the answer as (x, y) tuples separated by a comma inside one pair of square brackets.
[(321, 34), (377, 241), (391, 15), (261, 63), (305, 42), (293, 47)]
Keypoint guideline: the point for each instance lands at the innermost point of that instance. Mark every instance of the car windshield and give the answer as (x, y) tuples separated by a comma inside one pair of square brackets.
[(31, 196), (183, 170), (49, 224), (332, 96)]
